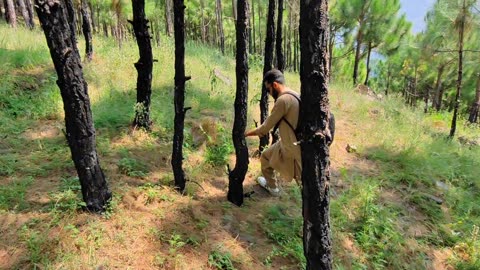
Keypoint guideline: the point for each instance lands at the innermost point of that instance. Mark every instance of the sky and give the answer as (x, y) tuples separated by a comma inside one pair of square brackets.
[(416, 11)]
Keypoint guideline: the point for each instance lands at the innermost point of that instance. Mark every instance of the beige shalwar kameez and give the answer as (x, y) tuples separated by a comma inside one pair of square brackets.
[(283, 156)]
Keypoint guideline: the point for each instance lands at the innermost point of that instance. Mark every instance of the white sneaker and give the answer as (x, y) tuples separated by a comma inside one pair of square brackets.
[(263, 183)]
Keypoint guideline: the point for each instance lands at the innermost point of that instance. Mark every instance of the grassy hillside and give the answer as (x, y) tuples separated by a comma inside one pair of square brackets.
[(408, 198)]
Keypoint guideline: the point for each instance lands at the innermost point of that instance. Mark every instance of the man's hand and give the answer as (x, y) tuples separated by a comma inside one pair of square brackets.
[(250, 133)]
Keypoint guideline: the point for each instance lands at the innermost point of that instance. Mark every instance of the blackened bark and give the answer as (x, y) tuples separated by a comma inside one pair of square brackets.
[(92, 17), (25, 14), (202, 21), (234, 10), (474, 110), (2, 9), (426, 98), (237, 176), (357, 55), (30, 11), (10, 13), (220, 25), (144, 65), (267, 65), (314, 123), (278, 44), (438, 89), (168, 18), (460, 71), (57, 20), (368, 63), (87, 31), (179, 97)]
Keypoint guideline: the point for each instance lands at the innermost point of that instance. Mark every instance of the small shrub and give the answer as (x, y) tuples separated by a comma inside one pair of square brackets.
[(132, 167), (220, 260)]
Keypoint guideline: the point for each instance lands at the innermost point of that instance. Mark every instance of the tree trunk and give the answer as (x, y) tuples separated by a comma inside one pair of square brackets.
[(23, 10), (368, 63), (267, 65), (460, 71), (438, 89), (295, 50), (426, 98), (179, 98), (474, 110), (315, 115), (220, 25), (260, 16), (87, 31), (92, 17), (389, 74), (105, 29), (202, 21), (29, 6), (55, 17), (253, 28), (168, 18), (237, 176), (144, 65), (234, 10), (331, 44), (280, 56), (357, 55), (2, 9), (10, 13)]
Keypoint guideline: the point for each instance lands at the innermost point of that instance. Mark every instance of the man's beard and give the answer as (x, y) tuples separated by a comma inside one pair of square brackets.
[(275, 94)]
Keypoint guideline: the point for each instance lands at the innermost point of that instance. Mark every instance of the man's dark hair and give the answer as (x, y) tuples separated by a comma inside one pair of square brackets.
[(274, 75)]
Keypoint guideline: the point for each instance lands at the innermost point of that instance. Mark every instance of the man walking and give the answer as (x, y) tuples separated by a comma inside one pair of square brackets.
[(283, 156)]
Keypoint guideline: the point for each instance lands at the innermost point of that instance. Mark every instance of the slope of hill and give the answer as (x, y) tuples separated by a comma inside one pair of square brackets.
[(407, 198)]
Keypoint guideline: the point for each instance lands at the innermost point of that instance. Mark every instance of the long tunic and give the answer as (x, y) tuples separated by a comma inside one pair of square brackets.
[(286, 157)]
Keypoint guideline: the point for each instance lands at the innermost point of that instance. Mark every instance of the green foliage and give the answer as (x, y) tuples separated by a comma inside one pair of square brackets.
[(12, 196), (220, 260), (217, 154), (284, 229), (132, 167)]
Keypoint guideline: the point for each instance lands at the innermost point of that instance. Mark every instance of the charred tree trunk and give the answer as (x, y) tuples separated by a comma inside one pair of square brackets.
[(168, 18), (234, 10), (202, 21), (2, 9), (253, 28), (237, 176), (474, 110), (87, 31), (10, 13), (331, 46), (179, 98), (280, 56), (438, 89), (389, 75), (144, 65), (220, 25), (426, 98), (57, 20), (29, 7), (357, 56), (92, 17), (25, 14), (315, 115), (267, 65), (460, 71), (368, 63)]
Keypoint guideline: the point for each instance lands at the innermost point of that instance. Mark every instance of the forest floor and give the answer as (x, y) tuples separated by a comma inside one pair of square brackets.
[(405, 198)]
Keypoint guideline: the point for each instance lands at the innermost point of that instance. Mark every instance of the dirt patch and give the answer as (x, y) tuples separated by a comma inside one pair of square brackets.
[(47, 129), (439, 259)]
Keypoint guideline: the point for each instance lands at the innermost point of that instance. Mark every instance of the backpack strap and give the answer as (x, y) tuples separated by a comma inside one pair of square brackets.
[(283, 118)]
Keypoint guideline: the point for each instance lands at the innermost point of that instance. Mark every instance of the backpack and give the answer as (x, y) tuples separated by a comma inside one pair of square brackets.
[(331, 124)]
